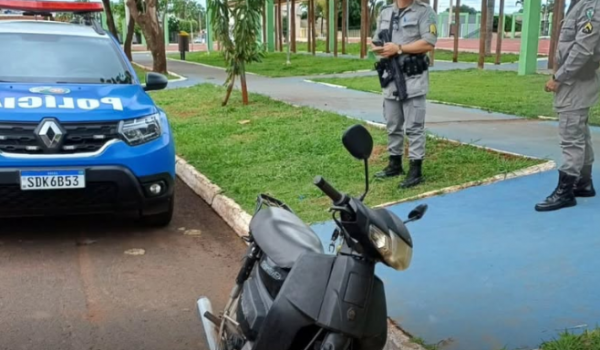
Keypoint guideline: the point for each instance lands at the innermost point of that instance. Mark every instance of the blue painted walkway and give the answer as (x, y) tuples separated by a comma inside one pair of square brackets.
[(488, 271)]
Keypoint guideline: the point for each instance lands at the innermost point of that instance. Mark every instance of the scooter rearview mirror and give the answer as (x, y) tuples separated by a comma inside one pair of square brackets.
[(358, 142), (418, 212)]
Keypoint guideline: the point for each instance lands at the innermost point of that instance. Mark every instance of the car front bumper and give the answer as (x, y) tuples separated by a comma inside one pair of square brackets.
[(108, 189)]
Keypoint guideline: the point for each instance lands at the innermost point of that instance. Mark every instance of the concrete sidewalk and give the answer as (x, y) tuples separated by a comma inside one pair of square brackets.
[(488, 271)]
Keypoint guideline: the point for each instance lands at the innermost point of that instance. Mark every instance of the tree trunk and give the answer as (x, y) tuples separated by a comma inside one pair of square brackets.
[(309, 27), (344, 26), (129, 38), (335, 27), (328, 35), (314, 29), (482, 31), (489, 27), (244, 87), (500, 33), (110, 20), (293, 26), (456, 31), (280, 26), (229, 89), (148, 22)]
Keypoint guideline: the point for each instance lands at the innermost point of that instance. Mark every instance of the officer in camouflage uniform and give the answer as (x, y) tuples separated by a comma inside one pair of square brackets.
[(414, 31), (576, 86)]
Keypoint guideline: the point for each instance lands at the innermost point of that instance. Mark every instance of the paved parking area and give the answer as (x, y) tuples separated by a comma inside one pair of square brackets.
[(67, 284)]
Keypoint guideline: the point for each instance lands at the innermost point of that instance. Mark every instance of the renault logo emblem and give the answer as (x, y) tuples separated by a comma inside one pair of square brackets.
[(50, 133)]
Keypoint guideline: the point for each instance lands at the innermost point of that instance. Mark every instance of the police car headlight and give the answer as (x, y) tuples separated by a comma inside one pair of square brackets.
[(139, 131)]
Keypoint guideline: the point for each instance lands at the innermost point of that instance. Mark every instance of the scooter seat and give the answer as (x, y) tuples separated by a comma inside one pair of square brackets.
[(283, 236)]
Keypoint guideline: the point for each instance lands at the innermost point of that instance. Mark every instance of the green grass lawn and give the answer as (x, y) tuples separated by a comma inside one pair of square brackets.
[(141, 73), (274, 64), (495, 91), (589, 340), (442, 55), (272, 147)]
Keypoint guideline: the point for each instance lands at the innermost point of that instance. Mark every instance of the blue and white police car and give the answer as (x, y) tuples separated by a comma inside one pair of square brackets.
[(79, 134)]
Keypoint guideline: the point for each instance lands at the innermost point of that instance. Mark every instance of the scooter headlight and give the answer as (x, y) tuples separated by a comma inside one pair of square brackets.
[(394, 251)]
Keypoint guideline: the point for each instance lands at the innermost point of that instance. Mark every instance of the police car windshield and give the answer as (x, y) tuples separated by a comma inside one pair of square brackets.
[(46, 58)]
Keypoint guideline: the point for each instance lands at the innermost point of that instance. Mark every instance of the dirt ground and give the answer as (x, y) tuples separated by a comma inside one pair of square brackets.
[(77, 283)]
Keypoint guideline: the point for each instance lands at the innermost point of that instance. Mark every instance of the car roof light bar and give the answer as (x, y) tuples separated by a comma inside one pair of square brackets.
[(51, 6)]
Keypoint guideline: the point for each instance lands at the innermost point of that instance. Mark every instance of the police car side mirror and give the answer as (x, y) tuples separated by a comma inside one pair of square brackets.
[(155, 81)]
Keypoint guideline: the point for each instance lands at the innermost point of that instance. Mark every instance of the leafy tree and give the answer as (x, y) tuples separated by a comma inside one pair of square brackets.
[(188, 25), (173, 24), (242, 47), (465, 9)]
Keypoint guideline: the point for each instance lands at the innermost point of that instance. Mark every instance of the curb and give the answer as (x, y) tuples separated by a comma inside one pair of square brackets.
[(179, 77), (231, 212), (204, 65)]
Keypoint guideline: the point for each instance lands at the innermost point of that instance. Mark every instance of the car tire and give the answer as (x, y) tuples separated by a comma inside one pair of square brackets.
[(162, 219)]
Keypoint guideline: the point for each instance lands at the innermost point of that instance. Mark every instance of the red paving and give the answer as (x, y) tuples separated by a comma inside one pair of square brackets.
[(508, 45)]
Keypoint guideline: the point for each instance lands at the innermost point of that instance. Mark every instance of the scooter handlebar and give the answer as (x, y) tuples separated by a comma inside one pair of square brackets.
[(329, 190)]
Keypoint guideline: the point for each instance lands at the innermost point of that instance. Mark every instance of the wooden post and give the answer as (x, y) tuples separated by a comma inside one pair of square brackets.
[(557, 17), (335, 28), (279, 26), (309, 27), (432, 53), (456, 30), (328, 26), (500, 33), (344, 26), (362, 28), (364, 13), (482, 32), (367, 26), (292, 17), (314, 28)]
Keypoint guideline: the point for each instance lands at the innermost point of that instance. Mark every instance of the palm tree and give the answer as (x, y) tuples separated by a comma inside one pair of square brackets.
[(244, 48)]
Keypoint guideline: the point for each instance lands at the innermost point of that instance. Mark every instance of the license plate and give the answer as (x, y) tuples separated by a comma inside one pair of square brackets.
[(52, 180)]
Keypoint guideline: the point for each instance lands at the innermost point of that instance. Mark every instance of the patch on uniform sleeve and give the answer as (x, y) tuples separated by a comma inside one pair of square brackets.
[(432, 17), (589, 13), (433, 29), (588, 28)]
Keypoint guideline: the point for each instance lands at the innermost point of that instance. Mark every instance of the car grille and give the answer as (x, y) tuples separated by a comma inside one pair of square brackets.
[(79, 138), (97, 196)]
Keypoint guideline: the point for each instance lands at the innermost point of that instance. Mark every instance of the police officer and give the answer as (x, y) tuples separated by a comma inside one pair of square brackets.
[(576, 86), (413, 26)]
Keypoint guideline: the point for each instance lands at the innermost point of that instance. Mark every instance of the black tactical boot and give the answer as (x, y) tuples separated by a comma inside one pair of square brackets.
[(562, 197), (393, 169), (414, 176), (584, 186)]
